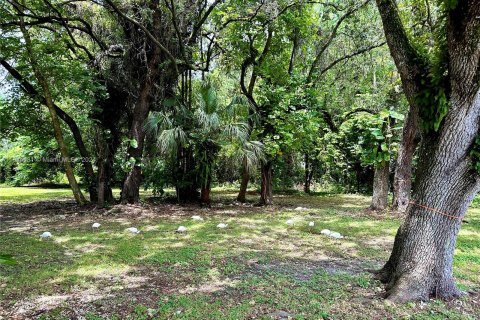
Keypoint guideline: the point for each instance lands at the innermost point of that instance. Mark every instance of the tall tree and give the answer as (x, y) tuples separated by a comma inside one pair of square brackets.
[(167, 38), (446, 89), (43, 81), (29, 89), (269, 70)]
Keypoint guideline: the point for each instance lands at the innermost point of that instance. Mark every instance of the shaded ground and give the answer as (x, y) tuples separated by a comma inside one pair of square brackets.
[(257, 268)]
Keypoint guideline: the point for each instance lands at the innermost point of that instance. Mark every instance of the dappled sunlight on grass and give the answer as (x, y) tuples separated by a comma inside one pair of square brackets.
[(257, 263), (26, 194), (100, 270)]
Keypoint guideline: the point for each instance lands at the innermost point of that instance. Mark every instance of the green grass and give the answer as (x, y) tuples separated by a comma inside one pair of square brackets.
[(34, 193), (256, 267), (28, 194)]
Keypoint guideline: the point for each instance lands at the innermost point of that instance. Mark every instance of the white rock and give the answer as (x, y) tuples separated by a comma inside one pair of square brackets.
[(133, 230), (197, 218), (222, 225), (335, 235), (326, 232), (96, 225), (311, 224), (182, 229), (289, 222), (46, 234), (299, 208)]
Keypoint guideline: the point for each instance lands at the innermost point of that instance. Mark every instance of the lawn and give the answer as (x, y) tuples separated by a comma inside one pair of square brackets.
[(256, 268), (38, 193)]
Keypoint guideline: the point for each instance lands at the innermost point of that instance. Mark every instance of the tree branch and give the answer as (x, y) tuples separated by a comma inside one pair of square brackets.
[(29, 89), (332, 36), (198, 25), (406, 59), (351, 55)]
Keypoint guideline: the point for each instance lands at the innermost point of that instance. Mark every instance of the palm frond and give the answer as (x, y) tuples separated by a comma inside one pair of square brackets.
[(157, 121), (235, 131), (251, 153), (207, 121), (238, 106), (170, 139)]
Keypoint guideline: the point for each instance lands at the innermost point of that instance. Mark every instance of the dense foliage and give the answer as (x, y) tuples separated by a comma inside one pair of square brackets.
[(240, 87)]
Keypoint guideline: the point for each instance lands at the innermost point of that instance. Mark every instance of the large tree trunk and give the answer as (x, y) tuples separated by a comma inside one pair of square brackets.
[(131, 185), (242, 193), (266, 192), (42, 80), (421, 262), (420, 265), (402, 182), (380, 187), (104, 164)]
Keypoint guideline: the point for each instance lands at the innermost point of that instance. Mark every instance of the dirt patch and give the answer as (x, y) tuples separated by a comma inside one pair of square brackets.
[(29, 217), (304, 270), (110, 295)]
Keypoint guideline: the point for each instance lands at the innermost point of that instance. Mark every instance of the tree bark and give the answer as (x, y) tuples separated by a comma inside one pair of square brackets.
[(131, 185), (380, 187), (187, 187), (420, 266), (104, 170), (205, 193), (242, 193), (402, 182), (77, 193), (266, 192)]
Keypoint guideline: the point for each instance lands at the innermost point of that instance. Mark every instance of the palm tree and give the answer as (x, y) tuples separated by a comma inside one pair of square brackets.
[(205, 130)]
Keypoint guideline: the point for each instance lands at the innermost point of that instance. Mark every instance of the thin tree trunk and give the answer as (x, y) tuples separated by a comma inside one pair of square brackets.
[(28, 88), (306, 186), (101, 163), (77, 193), (242, 194), (402, 182), (187, 188), (205, 193), (266, 192), (380, 187)]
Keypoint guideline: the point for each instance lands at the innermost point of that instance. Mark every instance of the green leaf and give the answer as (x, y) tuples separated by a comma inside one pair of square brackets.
[(396, 115), (133, 143)]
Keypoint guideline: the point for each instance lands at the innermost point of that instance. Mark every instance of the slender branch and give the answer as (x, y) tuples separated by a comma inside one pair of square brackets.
[(357, 110), (39, 20), (332, 36), (201, 21), (351, 55), (87, 52), (171, 8)]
